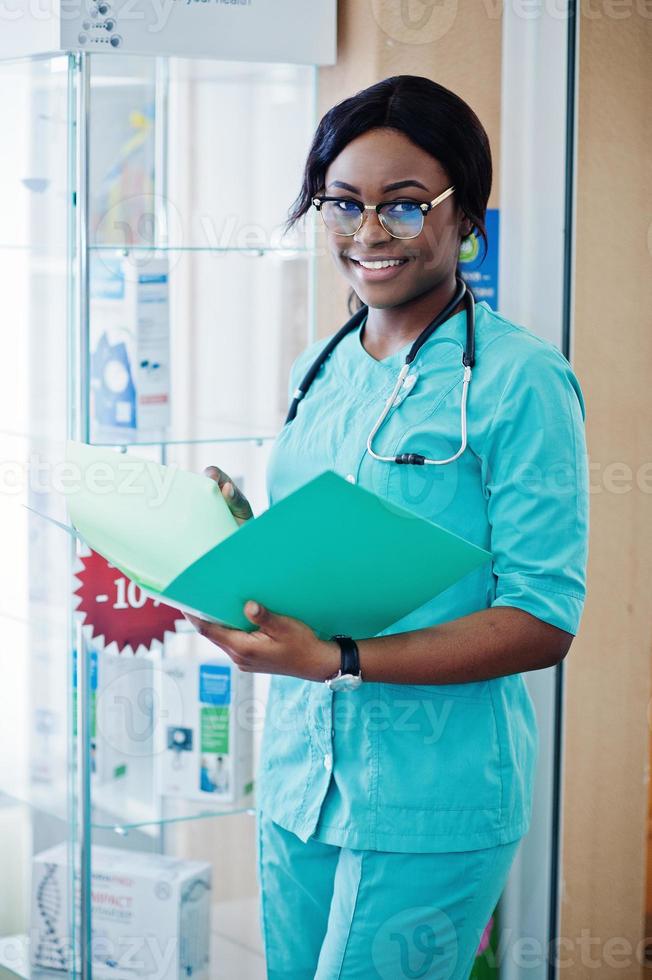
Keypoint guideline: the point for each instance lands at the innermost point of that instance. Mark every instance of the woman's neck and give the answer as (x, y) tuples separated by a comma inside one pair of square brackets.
[(387, 329)]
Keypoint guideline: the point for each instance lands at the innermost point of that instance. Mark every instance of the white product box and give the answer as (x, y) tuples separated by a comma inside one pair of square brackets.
[(207, 751), (150, 914), (122, 742), (129, 345), (122, 723)]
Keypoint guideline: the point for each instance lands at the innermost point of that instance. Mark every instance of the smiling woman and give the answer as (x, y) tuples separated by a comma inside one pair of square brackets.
[(419, 239), (413, 142), (393, 797)]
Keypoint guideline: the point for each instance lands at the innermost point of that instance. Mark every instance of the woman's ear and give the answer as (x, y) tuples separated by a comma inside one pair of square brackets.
[(466, 227)]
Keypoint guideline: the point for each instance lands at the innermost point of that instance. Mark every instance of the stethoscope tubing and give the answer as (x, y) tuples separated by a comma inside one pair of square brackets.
[(468, 361)]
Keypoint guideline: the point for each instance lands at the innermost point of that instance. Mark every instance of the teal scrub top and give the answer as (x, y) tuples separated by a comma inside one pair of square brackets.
[(435, 767)]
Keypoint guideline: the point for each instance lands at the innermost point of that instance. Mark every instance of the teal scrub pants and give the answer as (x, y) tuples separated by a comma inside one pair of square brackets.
[(335, 913)]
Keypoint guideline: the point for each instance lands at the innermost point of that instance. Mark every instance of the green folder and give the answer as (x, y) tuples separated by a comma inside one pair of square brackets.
[(331, 554)]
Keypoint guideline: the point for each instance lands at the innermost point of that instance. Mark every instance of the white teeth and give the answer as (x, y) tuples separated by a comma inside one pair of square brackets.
[(382, 264)]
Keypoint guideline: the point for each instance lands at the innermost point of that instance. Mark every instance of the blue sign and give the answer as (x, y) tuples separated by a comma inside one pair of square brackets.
[(480, 271), (214, 684)]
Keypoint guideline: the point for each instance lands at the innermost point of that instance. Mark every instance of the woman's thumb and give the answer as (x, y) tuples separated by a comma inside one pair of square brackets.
[(238, 505)]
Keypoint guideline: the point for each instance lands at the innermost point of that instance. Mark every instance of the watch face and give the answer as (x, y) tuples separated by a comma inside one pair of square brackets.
[(346, 682)]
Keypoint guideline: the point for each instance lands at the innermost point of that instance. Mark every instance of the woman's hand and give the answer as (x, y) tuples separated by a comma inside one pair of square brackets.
[(238, 503), (281, 645)]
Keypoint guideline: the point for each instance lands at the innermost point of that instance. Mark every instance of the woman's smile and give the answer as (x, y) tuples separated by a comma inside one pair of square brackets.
[(377, 269)]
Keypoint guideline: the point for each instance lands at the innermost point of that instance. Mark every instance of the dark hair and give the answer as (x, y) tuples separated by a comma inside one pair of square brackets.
[(432, 116)]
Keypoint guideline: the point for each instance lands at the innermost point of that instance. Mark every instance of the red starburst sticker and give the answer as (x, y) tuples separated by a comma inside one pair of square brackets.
[(116, 610)]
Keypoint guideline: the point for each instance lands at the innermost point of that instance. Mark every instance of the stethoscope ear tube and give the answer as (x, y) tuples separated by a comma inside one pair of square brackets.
[(311, 374), (468, 360), (460, 293), (468, 357)]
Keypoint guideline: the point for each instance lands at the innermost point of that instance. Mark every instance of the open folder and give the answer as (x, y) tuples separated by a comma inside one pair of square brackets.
[(331, 554)]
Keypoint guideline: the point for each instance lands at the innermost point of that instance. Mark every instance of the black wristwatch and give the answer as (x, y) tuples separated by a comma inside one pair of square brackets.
[(349, 676)]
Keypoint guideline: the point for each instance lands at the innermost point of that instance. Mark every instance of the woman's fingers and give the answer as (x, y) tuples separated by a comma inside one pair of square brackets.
[(238, 503)]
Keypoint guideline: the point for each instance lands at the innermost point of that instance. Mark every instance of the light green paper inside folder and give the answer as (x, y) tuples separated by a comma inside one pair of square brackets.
[(149, 520), (331, 554)]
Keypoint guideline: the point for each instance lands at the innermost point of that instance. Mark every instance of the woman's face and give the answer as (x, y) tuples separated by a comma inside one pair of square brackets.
[(369, 169)]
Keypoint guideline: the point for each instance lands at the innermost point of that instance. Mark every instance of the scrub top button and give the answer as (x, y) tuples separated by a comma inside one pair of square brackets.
[(350, 477), (328, 762)]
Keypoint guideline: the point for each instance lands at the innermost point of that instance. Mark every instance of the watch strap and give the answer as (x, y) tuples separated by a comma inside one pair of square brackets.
[(350, 655)]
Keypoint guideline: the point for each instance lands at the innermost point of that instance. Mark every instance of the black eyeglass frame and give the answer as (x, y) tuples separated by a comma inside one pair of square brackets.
[(424, 207)]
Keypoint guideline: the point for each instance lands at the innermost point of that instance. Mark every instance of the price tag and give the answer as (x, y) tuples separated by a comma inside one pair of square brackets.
[(116, 610)]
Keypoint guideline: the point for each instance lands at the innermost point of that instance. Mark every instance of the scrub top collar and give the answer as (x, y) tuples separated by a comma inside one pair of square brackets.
[(453, 329)]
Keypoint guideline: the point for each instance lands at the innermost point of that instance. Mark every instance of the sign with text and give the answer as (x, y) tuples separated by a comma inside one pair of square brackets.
[(288, 31), (114, 610)]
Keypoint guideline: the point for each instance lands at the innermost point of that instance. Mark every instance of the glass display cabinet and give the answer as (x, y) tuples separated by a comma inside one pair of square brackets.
[(154, 305)]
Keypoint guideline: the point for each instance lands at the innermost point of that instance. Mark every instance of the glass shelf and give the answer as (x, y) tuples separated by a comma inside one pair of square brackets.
[(133, 815), (122, 441), (142, 439), (205, 431), (41, 802), (33, 248), (251, 251), (176, 811), (228, 951), (254, 251)]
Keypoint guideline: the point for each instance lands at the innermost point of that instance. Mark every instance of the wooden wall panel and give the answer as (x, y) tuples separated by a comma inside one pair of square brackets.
[(608, 668)]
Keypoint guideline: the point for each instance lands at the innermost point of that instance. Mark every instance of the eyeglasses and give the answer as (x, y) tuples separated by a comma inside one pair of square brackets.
[(402, 219)]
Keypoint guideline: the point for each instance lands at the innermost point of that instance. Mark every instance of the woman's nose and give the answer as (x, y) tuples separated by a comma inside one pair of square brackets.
[(371, 231)]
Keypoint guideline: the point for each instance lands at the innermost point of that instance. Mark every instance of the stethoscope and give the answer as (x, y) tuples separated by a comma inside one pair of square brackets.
[(468, 360)]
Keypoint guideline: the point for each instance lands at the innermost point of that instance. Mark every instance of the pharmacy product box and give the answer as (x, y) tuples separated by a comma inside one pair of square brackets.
[(129, 345), (207, 752), (122, 723), (150, 914)]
